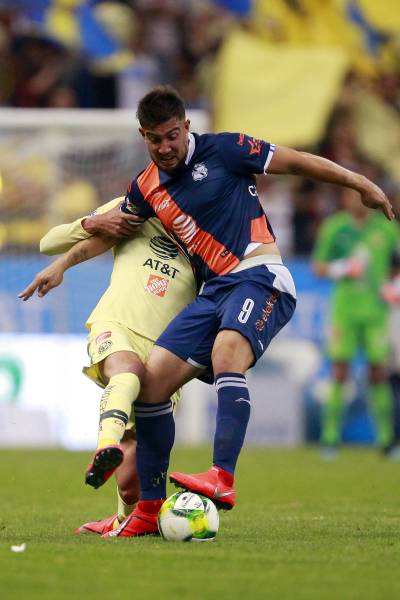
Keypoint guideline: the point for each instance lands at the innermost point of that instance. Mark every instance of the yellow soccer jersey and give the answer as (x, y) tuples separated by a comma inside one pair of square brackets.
[(151, 280)]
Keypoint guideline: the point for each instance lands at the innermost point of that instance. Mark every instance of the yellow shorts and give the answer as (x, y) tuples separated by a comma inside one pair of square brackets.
[(105, 338)]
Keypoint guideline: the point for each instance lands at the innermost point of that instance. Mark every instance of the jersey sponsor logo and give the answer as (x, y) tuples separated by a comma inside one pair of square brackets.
[(185, 228), (159, 201), (164, 268), (240, 141), (255, 146), (157, 285), (267, 310), (103, 336), (163, 247), (199, 172)]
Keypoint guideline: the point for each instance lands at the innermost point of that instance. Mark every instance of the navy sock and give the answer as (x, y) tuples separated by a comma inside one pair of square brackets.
[(232, 417), (155, 432)]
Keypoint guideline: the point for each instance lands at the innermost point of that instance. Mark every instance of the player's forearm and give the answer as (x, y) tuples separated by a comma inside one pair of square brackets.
[(288, 161), (61, 238), (85, 250), (342, 268), (320, 269), (322, 169)]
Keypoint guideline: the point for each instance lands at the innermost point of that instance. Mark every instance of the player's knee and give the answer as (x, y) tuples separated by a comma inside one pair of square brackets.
[(164, 374), (122, 365), (231, 353), (152, 394), (225, 364)]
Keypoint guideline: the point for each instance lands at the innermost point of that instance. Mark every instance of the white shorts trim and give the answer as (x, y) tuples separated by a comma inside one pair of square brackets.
[(195, 364), (283, 280)]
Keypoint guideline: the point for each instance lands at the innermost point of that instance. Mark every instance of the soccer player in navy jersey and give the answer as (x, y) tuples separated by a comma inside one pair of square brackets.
[(202, 188)]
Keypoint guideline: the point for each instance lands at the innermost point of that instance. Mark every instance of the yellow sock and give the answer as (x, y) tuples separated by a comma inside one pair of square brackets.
[(115, 407), (124, 509)]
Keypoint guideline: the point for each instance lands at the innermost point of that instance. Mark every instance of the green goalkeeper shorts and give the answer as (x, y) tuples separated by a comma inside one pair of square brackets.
[(350, 334)]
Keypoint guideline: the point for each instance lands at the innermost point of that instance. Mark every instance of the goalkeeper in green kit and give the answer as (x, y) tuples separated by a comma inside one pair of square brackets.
[(354, 248)]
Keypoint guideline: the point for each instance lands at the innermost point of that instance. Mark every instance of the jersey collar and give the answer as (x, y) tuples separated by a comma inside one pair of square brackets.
[(191, 148)]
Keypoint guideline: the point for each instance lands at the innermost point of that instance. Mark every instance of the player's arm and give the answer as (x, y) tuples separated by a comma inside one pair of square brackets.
[(324, 265), (52, 275), (289, 161), (108, 220), (343, 268), (390, 290)]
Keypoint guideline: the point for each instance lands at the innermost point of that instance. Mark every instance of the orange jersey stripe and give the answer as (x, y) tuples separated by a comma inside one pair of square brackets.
[(149, 180), (260, 231), (213, 253)]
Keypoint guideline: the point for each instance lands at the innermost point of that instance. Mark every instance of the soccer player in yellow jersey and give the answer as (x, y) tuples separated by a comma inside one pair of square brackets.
[(151, 282)]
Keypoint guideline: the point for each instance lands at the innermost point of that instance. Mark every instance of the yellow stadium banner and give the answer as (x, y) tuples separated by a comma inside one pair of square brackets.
[(279, 93)]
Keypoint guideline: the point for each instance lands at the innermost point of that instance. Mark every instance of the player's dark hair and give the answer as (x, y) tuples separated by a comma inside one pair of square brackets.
[(159, 105)]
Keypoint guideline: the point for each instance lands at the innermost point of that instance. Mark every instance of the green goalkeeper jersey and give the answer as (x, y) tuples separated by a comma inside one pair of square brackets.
[(373, 243)]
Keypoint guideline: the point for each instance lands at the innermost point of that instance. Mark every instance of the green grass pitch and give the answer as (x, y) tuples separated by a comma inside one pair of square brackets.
[(303, 529)]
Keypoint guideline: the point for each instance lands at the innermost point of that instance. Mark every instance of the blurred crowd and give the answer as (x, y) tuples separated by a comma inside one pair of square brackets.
[(107, 54)]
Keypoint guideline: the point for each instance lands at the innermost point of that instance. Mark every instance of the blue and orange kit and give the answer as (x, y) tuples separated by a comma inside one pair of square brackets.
[(210, 203)]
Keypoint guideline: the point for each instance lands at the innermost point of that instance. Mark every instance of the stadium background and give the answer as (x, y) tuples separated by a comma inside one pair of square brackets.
[(318, 76)]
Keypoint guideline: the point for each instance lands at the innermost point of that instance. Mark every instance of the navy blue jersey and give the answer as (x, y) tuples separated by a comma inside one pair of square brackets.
[(211, 202)]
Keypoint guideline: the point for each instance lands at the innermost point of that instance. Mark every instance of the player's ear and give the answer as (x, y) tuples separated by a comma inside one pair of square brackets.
[(141, 131), (187, 124)]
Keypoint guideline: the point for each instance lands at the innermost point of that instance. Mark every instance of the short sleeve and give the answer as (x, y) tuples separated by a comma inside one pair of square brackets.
[(134, 202), (244, 154)]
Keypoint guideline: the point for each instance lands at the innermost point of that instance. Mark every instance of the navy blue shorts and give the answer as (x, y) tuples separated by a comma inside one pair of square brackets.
[(257, 302)]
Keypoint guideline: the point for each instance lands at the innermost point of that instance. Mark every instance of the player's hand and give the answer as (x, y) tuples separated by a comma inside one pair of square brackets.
[(355, 268), (343, 268), (44, 281), (373, 197), (390, 291), (113, 223)]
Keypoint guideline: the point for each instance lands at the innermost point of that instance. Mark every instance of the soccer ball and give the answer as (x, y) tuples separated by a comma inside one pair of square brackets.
[(187, 517)]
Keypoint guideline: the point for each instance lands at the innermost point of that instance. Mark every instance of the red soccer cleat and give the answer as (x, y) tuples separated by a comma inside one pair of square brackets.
[(142, 521), (105, 461), (97, 527), (216, 484)]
